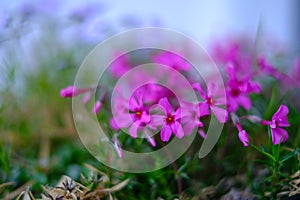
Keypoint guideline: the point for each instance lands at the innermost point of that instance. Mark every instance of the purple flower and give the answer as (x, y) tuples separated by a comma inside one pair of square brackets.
[(86, 98), (243, 135), (172, 60), (238, 89), (97, 106), (279, 120), (170, 121), (268, 68), (139, 113), (134, 115), (191, 115), (69, 91), (212, 100), (72, 91), (151, 141), (120, 66)]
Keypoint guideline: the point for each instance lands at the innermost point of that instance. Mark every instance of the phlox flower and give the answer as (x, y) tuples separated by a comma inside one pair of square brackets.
[(191, 114), (213, 100), (72, 91), (279, 119), (169, 120), (131, 114), (120, 66), (243, 135), (238, 89), (172, 60), (97, 106)]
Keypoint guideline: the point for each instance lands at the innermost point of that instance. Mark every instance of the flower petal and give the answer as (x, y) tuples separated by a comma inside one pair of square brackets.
[(113, 124), (244, 101), (197, 87), (202, 133), (243, 136), (145, 117), (203, 109), (166, 105), (279, 135), (177, 129), (133, 104), (177, 114), (151, 140), (232, 104), (212, 89), (220, 101), (165, 133), (133, 130), (157, 120), (189, 126), (221, 114), (253, 87), (282, 111)]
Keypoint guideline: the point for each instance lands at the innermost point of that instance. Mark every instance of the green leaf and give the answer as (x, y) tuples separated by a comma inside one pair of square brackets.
[(289, 156), (263, 152), (272, 103), (4, 158)]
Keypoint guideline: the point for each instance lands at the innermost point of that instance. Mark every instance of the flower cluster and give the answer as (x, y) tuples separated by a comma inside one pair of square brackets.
[(153, 108)]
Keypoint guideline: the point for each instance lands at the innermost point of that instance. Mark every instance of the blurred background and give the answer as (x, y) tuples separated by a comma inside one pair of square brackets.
[(43, 42), (201, 20)]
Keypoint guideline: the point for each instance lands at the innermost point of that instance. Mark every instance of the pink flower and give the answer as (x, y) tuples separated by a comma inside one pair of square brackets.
[(139, 113), (272, 71), (120, 66), (268, 68), (97, 106), (243, 135), (279, 120), (133, 115), (172, 60), (72, 91), (238, 89), (213, 100), (151, 141), (191, 115), (86, 98), (170, 121)]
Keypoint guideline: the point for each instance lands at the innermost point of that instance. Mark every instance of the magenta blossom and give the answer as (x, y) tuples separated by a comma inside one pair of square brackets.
[(191, 115), (139, 113), (133, 115), (69, 91), (238, 89), (170, 121), (279, 120), (270, 70), (120, 66), (172, 60), (97, 107), (72, 91), (213, 100), (243, 135)]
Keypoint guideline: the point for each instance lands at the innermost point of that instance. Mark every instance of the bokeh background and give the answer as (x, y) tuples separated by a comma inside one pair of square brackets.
[(42, 44)]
